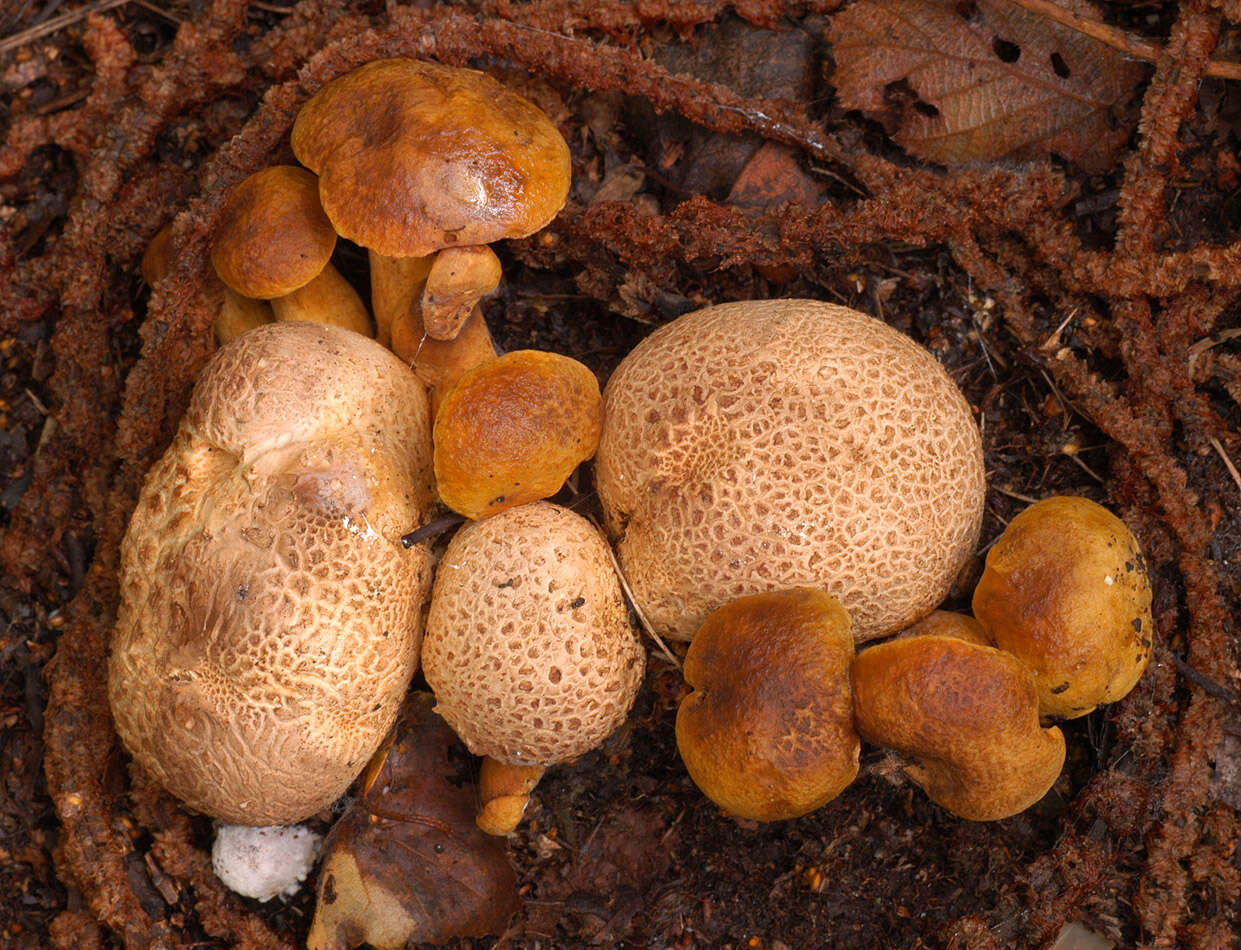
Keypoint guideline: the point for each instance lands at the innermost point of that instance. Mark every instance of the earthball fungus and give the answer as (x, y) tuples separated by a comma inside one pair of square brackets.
[(529, 649), (767, 732), (1065, 590), (762, 445), (270, 617), (963, 717)]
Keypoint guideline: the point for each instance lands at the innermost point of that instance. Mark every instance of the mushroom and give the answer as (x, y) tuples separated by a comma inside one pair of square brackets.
[(964, 717), (273, 242), (947, 623), (236, 315), (512, 430), (415, 158), (529, 649), (767, 444), (270, 618), (767, 732), (1065, 590)]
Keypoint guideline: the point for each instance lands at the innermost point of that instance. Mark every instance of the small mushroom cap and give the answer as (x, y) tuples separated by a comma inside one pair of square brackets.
[(270, 617), (946, 623), (512, 430), (1065, 590), (964, 716), (272, 236), (416, 156), (529, 649), (768, 733), (458, 278), (768, 444)]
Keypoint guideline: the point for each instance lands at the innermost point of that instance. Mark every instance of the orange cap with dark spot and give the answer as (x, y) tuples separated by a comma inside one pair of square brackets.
[(416, 156)]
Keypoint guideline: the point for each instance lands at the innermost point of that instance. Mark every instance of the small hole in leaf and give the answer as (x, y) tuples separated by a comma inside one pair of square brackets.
[(1008, 52), (1060, 67), (926, 109), (967, 10)]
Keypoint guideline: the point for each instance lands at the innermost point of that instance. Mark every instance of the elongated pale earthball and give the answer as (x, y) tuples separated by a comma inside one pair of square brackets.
[(529, 649), (760, 445), (270, 617)]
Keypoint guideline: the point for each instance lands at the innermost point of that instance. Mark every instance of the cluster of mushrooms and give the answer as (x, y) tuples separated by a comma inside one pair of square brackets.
[(780, 481)]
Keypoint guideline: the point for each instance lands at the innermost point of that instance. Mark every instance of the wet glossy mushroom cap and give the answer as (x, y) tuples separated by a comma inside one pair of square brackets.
[(270, 617), (1065, 590), (760, 445), (415, 156), (529, 649), (272, 236), (768, 733), (964, 718), (512, 430), (947, 623)]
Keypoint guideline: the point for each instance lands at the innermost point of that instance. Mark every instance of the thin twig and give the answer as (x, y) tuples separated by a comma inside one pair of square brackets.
[(1232, 469), (1208, 685), (1201, 346), (56, 23), (1117, 38), (633, 602)]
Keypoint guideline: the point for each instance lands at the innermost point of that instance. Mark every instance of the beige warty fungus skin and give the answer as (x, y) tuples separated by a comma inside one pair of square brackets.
[(529, 649), (963, 717), (760, 445), (270, 618), (767, 733), (1065, 590)]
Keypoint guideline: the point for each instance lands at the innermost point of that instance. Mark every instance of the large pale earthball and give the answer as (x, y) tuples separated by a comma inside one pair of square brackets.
[(270, 617), (761, 445)]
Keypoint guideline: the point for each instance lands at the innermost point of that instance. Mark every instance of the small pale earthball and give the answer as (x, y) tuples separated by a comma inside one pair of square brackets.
[(264, 862), (529, 649)]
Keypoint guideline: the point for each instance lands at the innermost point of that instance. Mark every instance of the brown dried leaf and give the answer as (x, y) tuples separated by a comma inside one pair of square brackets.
[(406, 863), (956, 82)]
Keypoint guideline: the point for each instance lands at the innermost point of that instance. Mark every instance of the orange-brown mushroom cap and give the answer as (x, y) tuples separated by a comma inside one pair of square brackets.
[(272, 236), (416, 156), (964, 716), (511, 431), (1065, 590), (768, 732)]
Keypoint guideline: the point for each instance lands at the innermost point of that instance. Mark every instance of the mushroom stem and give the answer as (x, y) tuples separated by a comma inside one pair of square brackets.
[(396, 288), (398, 292), (239, 314), (459, 278), (328, 298), (505, 790)]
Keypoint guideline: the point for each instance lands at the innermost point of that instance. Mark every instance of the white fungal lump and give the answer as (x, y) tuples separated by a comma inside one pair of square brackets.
[(263, 863)]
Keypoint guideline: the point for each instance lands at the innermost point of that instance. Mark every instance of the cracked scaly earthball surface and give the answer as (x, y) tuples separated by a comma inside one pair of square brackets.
[(529, 649), (759, 445), (270, 617)]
